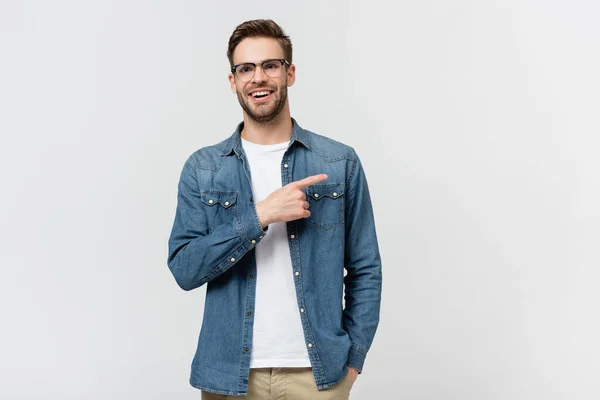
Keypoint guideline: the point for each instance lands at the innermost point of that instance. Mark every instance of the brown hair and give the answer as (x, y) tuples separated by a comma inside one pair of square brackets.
[(259, 28)]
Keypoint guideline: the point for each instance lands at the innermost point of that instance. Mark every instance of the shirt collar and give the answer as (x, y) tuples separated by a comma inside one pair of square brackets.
[(235, 142)]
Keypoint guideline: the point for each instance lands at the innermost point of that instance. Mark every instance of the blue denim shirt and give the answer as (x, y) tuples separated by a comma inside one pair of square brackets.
[(212, 242)]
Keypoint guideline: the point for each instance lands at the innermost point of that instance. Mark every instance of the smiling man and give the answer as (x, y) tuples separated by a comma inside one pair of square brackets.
[(278, 222)]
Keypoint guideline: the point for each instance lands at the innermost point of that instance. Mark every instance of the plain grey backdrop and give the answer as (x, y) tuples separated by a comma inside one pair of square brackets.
[(477, 123)]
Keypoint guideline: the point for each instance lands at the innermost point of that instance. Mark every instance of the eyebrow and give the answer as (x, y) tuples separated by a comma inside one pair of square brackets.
[(258, 62)]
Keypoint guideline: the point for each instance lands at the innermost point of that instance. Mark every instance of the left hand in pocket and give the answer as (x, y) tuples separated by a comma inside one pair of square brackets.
[(353, 374)]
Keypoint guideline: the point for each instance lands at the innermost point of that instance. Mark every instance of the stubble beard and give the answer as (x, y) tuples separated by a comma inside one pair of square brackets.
[(263, 117)]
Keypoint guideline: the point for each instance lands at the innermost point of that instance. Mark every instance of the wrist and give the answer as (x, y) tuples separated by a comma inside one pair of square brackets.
[(262, 218)]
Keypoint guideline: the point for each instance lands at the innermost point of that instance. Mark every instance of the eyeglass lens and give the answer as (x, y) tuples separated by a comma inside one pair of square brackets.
[(271, 68)]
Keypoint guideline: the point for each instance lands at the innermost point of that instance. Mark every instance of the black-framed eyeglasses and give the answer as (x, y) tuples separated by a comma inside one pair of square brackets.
[(272, 68)]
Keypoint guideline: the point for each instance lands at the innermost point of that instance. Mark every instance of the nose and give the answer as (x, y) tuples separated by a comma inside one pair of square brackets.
[(259, 75)]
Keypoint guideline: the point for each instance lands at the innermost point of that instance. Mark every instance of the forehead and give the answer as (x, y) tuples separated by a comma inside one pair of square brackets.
[(257, 49)]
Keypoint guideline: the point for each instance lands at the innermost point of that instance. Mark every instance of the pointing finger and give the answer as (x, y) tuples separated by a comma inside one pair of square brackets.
[(311, 180)]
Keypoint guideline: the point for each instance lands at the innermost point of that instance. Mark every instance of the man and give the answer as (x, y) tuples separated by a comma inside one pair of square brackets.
[(269, 218)]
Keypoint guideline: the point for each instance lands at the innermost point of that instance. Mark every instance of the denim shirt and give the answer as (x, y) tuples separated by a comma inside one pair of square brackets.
[(213, 240)]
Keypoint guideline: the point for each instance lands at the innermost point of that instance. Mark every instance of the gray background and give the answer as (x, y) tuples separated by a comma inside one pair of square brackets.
[(477, 122)]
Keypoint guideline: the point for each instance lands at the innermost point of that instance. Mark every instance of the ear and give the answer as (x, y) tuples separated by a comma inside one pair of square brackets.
[(291, 75), (232, 83)]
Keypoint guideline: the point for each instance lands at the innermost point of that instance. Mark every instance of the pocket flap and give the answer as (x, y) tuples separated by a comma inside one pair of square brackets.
[(333, 190), (212, 197)]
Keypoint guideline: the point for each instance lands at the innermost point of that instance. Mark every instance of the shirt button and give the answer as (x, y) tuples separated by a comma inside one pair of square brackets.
[(248, 313), (251, 276), (316, 195), (334, 194), (292, 236), (227, 203), (297, 273), (285, 165), (246, 349), (210, 201), (232, 259), (310, 345), (302, 310), (253, 241), (260, 237)]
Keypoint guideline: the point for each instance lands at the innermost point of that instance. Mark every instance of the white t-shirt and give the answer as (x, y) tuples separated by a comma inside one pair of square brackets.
[(278, 338)]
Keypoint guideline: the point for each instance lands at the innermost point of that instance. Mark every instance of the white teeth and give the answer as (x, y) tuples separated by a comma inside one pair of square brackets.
[(265, 93)]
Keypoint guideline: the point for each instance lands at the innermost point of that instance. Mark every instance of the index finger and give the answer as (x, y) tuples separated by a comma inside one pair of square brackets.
[(310, 180)]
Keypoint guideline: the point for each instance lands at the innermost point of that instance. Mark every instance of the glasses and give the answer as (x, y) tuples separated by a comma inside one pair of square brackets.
[(272, 68)]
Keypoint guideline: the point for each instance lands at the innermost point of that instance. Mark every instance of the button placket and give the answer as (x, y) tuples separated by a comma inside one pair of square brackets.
[(286, 178)]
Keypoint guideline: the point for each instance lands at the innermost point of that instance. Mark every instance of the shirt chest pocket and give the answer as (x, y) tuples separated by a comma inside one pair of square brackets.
[(326, 205), (219, 206)]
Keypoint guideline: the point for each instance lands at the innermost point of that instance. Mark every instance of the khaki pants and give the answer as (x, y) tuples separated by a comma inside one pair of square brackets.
[(287, 384)]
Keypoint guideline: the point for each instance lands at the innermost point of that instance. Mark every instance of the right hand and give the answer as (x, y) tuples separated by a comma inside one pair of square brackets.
[(287, 203)]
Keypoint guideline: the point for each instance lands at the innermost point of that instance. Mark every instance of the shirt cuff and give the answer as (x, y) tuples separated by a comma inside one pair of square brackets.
[(356, 357), (251, 225)]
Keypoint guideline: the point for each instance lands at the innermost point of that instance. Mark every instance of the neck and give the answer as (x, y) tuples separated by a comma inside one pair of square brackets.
[(278, 130)]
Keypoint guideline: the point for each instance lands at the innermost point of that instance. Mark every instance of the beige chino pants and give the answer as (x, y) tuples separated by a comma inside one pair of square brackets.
[(287, 384)]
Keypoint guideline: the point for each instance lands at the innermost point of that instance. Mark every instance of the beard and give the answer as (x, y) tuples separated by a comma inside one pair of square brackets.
[(264, 113)]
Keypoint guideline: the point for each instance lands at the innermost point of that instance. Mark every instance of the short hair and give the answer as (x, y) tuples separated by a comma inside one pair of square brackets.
[(266, 28)]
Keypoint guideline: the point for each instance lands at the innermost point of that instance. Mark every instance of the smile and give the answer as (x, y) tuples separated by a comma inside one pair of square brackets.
[(262, 95)]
